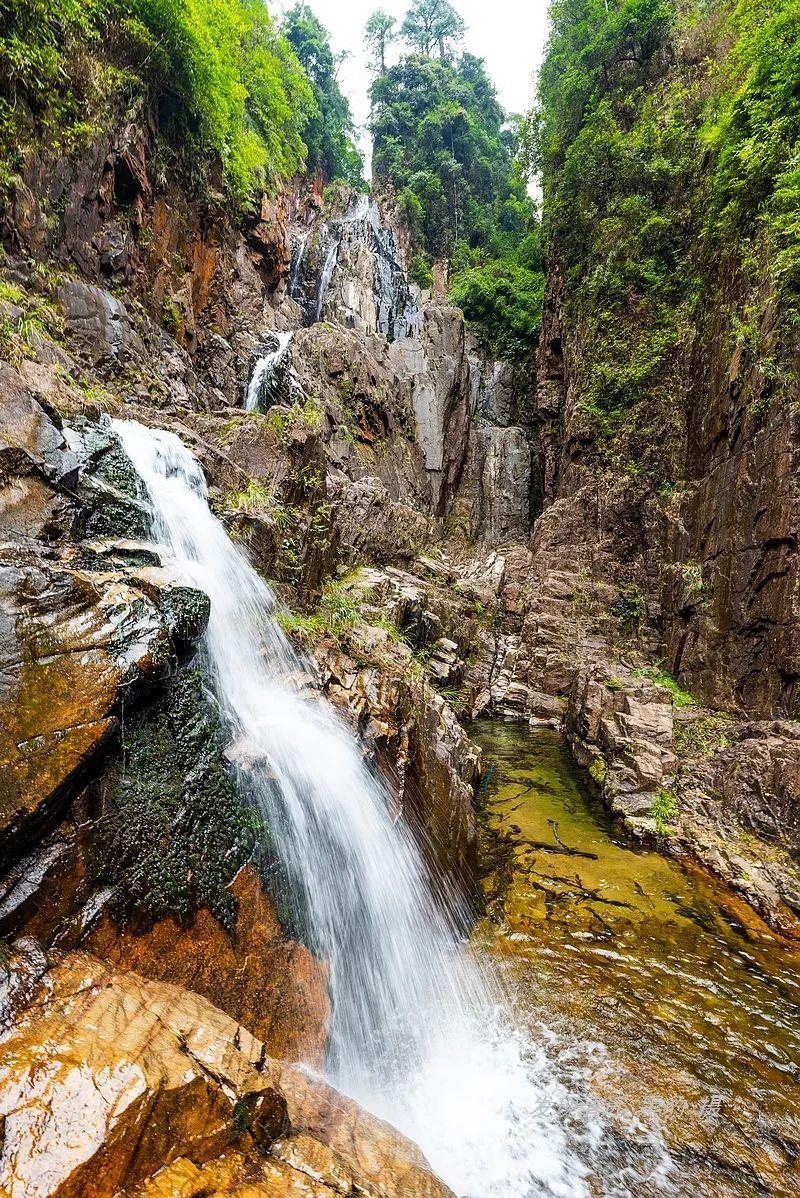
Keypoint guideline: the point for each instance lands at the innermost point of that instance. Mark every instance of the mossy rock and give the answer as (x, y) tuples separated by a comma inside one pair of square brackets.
[(173, 830)]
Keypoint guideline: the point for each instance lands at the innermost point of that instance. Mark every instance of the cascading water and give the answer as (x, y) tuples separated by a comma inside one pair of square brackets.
[(265, 370), (396, 312), (420, 1035)]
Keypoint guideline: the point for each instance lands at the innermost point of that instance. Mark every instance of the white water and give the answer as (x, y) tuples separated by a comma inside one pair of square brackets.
[(357, 211), (264, 368), (419, 1034), (396, 311), (297, 265)]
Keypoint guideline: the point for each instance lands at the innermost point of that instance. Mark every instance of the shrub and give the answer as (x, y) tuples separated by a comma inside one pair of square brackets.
[(503, 302)]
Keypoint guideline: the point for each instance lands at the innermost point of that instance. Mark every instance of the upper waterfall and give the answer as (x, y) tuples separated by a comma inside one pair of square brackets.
[(396, 314)]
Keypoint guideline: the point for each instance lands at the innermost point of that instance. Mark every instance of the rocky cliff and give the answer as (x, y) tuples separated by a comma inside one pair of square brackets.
[(124, 840), (666, 407)]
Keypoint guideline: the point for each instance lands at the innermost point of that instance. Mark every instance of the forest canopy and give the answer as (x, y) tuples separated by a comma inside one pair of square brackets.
[(445, 148), (226, 82)]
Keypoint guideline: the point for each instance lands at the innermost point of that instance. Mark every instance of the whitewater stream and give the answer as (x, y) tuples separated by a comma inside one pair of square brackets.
[(442, 1036)]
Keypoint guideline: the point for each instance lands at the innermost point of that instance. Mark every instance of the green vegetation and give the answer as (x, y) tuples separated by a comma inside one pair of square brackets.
[(753, 129), (174, 830), (701, 738), (629, 607), (598, 770), (253, 498), (446, 149), (336, 615), (657, 674), (667, 137), (663, 811), (328, 130), (221, 78)]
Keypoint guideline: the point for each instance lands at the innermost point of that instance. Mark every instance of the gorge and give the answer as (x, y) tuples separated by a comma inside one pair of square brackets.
[(400, 764)]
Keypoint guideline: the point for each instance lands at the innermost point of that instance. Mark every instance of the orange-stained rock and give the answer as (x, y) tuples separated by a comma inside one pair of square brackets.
[(271, 984), (112, 1084), (69, 641), (260, 977)]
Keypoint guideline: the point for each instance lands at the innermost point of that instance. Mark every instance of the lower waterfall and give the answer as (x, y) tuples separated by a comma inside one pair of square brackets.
[(421, 1033)]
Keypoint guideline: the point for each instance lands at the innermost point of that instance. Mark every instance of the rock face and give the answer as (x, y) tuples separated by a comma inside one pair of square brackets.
[(389, 697), (111, 1084), (82, 626), (74, 643), (436, 363)]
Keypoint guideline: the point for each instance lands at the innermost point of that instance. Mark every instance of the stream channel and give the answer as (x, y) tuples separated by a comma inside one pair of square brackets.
[(667, 1011)]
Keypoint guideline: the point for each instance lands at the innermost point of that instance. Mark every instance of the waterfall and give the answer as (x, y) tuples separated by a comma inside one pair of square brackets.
[(327, 275), (396, 312), (264, 372), (298, 255), (419, 1034)]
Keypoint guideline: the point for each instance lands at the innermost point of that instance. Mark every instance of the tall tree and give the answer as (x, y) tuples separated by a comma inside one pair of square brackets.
[(433, 24), (329, 133), (379, 32)]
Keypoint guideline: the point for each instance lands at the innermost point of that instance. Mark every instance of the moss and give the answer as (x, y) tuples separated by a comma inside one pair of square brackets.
[(174, 830), (629, 607), (701, 738), (598, 770), (657, 674), (172, 317)]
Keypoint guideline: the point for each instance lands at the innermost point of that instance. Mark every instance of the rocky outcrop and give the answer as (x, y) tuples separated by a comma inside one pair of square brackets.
[(389, 697), (86, 624), (102, 215), (75, 643), (249, 968), (625, 722), (438, 367), (112, 1084)]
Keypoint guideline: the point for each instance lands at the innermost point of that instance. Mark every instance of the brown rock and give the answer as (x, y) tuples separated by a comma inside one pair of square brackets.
[(269, 983), (110, 1083), (70, 641)]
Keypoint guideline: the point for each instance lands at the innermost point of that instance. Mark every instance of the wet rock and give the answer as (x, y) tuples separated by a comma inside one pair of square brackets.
[(29, 440), (99, 321), (258, 975), (250, 969), (74, 642), (113, 1083), (429, 763)]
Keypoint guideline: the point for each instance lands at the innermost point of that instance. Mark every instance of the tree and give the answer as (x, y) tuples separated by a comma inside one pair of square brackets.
[(328, 133), (432, 24), (379, 31)]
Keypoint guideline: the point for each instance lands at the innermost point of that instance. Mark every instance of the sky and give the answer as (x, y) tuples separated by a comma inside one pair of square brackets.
[(508, 34)]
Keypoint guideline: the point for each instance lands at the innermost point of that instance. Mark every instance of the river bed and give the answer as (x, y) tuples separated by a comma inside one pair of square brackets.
[(669, 1014)]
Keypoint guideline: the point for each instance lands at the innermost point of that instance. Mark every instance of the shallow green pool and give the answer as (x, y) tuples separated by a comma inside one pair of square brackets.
[(679, 1007)]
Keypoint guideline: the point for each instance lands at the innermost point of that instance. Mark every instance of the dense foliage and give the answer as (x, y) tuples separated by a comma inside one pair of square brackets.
[(328, 131), (444, 146), (753, 127), (667, 137), (222, 78)]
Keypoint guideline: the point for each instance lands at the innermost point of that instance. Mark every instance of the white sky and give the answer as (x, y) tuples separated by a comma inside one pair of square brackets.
[(508, 34)]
